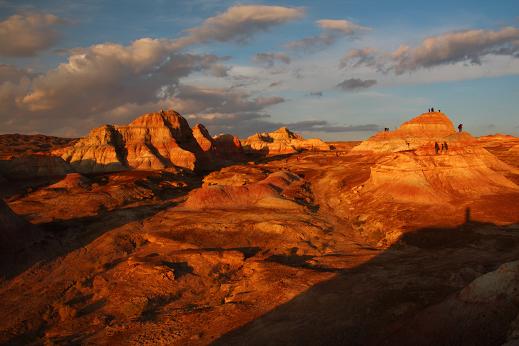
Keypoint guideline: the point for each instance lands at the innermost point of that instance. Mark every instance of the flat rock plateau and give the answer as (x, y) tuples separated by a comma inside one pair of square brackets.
[(158, 233)]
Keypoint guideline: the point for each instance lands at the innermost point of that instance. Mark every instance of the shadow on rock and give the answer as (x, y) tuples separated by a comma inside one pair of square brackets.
[(407, 295)]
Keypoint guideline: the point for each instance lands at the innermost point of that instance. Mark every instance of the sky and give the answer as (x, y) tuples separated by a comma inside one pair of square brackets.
[(338, 70)]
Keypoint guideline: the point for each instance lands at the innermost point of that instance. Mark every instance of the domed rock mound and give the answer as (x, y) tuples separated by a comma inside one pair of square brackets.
[(152, 141), (411, 135), (267, 193), (426, 161), (281, 141)]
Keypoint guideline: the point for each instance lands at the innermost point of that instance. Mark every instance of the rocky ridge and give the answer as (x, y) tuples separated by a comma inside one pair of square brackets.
[(154, 141), (281, 141)]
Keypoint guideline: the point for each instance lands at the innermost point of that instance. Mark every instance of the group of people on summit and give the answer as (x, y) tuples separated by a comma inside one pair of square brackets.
[(444, 147)]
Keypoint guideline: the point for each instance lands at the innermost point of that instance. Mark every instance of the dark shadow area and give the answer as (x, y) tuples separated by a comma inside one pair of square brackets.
[(64, 236), (179, 268), (152, 309), (404, 296), (98, 304)]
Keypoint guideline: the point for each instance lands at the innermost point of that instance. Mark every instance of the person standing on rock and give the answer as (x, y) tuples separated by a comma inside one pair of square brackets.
[(460, 128), (446, 146), (436, 147), (443, 147)]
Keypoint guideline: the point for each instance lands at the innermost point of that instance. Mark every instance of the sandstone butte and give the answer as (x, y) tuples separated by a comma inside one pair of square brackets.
[(281, 141), (153, 141), (408, 168)]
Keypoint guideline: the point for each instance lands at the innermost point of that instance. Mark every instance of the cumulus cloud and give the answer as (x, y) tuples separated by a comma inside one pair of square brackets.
[(269, 59), (331, 31), (468, 46), (106, 75), (355, 84), (453, 47), (96, 80), (26, 34), (239, 23)]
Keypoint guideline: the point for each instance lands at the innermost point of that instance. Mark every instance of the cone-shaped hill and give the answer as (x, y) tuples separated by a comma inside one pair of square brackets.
[(425, 160)]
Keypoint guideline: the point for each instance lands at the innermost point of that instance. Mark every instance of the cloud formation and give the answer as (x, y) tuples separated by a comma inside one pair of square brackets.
[(26, 34), (97, 80), (463, 46), (269, 59), (331, 31), (356, 84), (239, 23), (341, 25), (468, 46)]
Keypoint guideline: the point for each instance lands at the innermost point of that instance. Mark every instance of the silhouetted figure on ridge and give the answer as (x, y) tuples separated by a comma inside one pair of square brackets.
[(460, 128), (436, 147), (446, 146), (443, 147), (432, 109)]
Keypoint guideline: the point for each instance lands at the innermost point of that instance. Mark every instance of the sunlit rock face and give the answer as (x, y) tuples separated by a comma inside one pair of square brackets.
[(281, 141), (151, 142), (425, 160)]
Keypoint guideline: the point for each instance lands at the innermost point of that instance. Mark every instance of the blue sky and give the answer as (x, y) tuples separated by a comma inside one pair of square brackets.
[(69, 66)]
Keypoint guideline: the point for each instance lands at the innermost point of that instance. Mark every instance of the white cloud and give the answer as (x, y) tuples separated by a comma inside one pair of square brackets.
[(469, 46), (26, 34), (332, 30), (239, 23)]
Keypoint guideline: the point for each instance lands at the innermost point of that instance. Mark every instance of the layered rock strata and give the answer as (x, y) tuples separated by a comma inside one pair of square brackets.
[(425, 160), (281, 141), (153, 141)]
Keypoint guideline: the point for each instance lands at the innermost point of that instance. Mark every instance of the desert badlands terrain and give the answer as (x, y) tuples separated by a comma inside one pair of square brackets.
[(156, 232)]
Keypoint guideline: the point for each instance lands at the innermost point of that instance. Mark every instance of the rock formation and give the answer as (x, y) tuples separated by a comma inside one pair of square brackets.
[(152, 141), (409, 168), (32, 156), (229, 147), (267, 193), (514, 149), (33, 166), (281, 141)]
